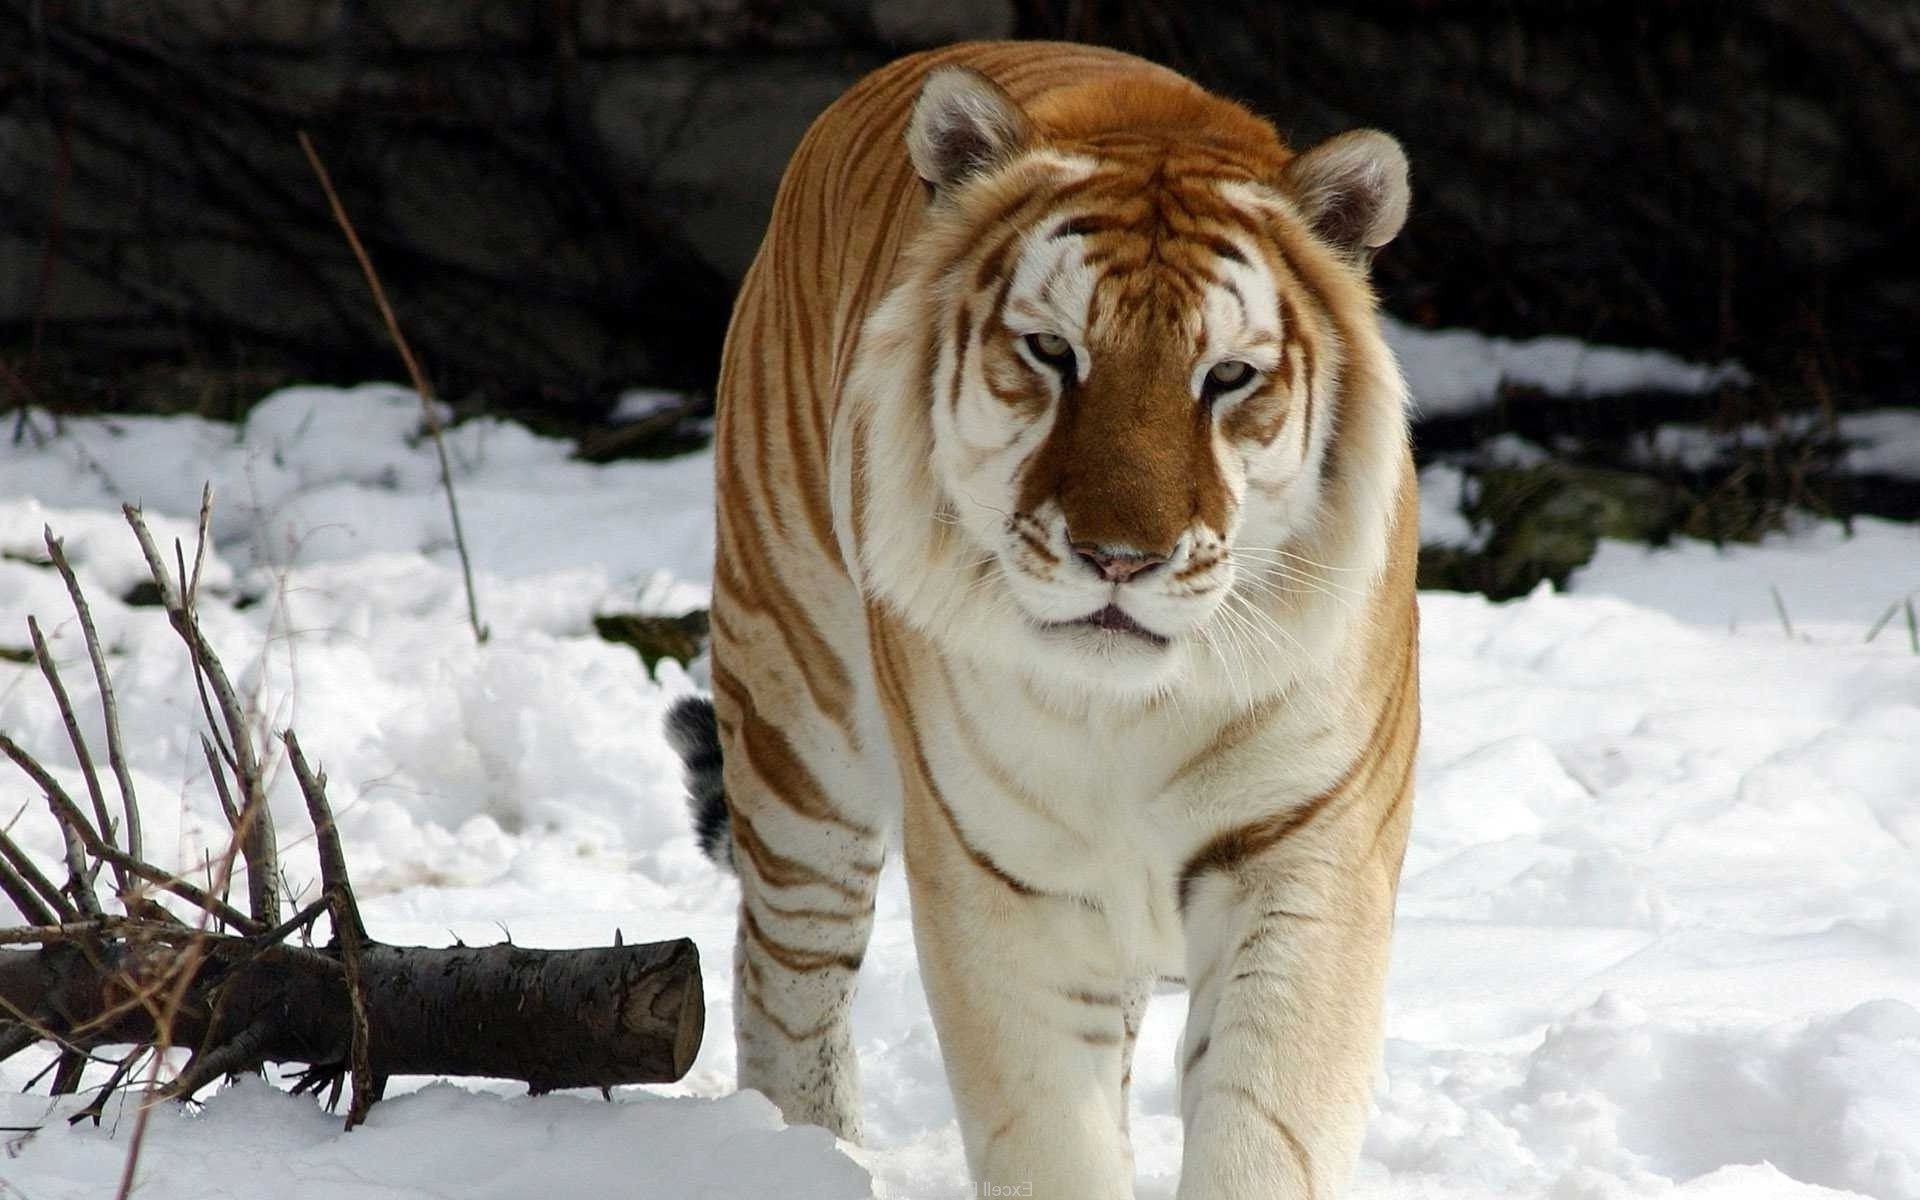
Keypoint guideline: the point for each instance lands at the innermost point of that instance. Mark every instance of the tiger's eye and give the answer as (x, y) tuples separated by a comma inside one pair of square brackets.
[(1229, 374), (1050, 345)]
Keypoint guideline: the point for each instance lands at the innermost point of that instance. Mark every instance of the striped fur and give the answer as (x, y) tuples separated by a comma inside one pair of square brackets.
[(1067, 525)]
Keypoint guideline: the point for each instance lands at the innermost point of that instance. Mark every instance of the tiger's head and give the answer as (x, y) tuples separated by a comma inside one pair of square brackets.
[(1140, 431)]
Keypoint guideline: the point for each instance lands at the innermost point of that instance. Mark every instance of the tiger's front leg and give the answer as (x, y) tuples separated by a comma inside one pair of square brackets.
[(807, 842), (805, 915), (1287, 961), (1035, 1024)]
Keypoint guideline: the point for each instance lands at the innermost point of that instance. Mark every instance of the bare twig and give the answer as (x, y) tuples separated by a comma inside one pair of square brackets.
[(104, 927), (31, 892), (44, 657), (347, 925), (199, 545), (333, 860), (304, 917), (74, 823), (66, 1077), (116, 755), (238, 1053), (256, 834), (198, 897), (418, 376), (50, 933), (220, 784), (104, 1091), (74, 829)]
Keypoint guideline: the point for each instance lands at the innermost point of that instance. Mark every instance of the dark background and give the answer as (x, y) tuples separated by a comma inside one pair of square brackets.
[(561, 195)]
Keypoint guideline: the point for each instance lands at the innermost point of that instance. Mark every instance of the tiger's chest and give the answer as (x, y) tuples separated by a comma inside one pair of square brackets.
[(1101, 807)]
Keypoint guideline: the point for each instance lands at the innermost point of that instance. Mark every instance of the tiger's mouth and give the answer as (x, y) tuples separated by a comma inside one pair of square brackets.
[(1112, 620)]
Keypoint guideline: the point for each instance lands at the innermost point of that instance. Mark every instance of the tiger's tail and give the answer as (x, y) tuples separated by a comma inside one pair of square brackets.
[(694, 734)]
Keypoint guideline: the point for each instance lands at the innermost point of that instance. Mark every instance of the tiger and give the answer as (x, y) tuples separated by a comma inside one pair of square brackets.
[(1066, 526)]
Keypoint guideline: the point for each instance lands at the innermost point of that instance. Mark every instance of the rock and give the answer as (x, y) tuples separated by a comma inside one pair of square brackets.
[(653, 638), (1544, 521)]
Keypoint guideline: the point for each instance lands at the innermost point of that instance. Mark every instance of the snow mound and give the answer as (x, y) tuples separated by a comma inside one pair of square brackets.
[(254, 1140), (1454, 371), (1613, 1094)]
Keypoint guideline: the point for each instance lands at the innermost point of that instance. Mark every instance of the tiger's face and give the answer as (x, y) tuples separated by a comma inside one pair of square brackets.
[(1133, 372), (1129, 418)]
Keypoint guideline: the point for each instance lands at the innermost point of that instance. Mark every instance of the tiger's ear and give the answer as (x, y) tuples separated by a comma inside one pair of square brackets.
[(1352, 189), (963, 124)]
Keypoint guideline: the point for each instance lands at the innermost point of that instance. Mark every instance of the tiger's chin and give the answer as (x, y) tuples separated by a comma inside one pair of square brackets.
[(1107, 652), (1111, 627)]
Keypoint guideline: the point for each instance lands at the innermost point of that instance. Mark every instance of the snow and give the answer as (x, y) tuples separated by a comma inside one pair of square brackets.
[(252, 1140), (1460, 370), (642, 404), (1446, 488), (1660, 922), (1822, 576), (1881, 441)]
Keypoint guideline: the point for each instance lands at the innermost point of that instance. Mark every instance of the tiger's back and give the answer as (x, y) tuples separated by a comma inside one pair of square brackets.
[(1147, 720)]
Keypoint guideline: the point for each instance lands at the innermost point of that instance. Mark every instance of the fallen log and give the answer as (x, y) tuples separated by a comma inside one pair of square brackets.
[(594, 1017)]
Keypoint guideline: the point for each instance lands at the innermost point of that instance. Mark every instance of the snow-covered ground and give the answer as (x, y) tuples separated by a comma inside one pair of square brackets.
[(1881, 441), (1462, 370), (1659, 932)]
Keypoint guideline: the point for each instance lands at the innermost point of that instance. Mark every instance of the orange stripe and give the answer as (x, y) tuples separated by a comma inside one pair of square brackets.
[(777, 870), (772, 757), (794, 958), (893, 694), (1227, 850)]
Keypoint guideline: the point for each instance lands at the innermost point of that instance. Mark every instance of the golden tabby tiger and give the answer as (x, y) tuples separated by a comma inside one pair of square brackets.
[(1066, 518)]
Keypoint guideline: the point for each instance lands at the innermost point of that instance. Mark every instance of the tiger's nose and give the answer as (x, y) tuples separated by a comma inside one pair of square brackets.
[(1116, 565)]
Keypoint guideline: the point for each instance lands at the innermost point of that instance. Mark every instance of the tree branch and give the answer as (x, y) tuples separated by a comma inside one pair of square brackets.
[(44, 657), (109, 711), (257, 841)]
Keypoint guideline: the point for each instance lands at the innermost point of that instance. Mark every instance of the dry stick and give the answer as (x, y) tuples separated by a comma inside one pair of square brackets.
[(419, 378), (66, 1079), (109, 927), (44, 657), (257, 842), (284, 929), (29, 890), (199, 545), (72, 820), (238, 1053), (347, 925), (136, 929), (104, 1092), (74, 830), (52, 933), (333, 860), (220, 784), (116, 756)]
